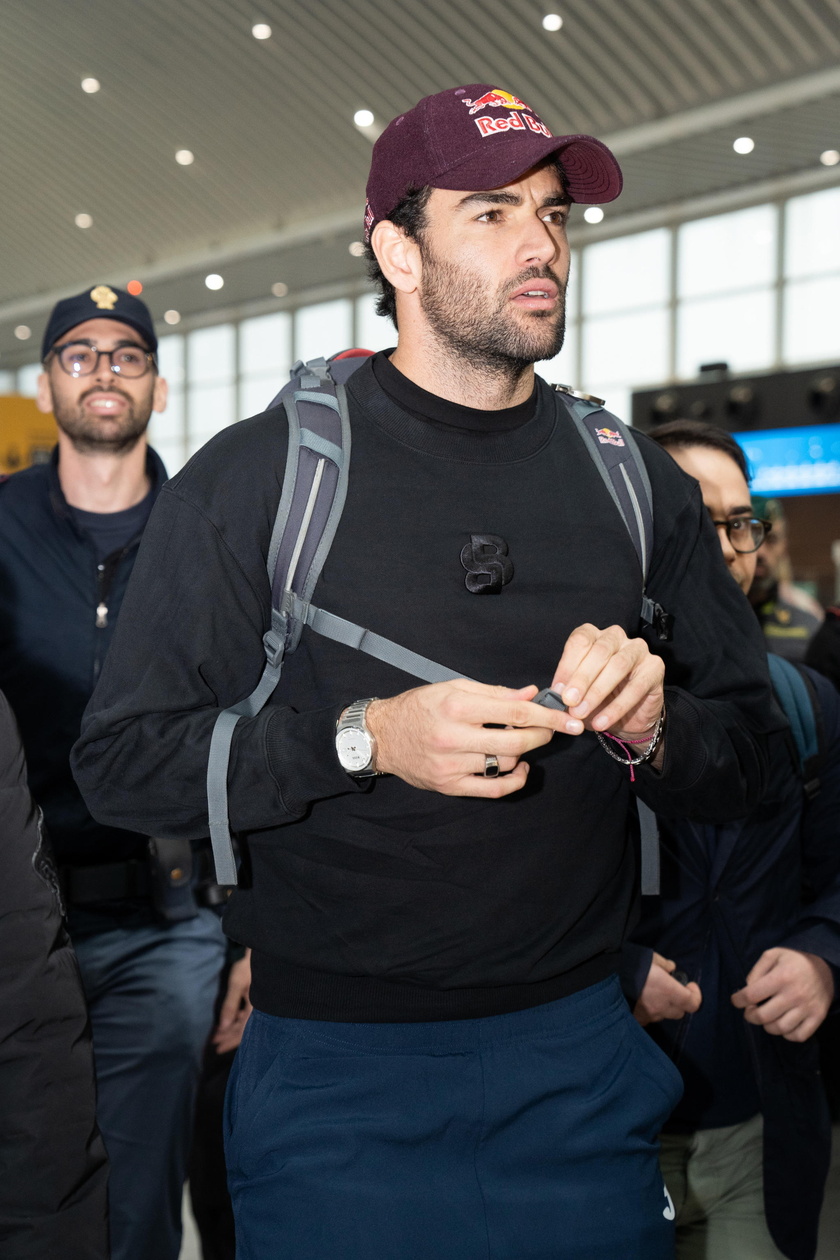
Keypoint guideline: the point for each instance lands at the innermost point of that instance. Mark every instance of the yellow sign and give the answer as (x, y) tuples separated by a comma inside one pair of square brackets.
[(27, 436), (104, 298)]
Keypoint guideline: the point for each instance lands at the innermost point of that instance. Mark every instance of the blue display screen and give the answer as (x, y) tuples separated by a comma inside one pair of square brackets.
[(793, 461)]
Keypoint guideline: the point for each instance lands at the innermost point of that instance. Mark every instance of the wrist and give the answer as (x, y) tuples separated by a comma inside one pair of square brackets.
[(355, 743)]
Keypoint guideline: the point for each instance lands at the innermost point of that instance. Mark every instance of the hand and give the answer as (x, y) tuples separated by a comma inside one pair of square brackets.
[(613, 682), (236, 1007), (435, 737), (788, 993), (663, 997)]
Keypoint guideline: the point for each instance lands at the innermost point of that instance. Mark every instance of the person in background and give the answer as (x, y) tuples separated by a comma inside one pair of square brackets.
[(149, 953), (53, 1191), (789, 616), (750, 914)]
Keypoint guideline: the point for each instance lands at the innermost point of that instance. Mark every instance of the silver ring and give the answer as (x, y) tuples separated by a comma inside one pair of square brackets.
[(491, 766)]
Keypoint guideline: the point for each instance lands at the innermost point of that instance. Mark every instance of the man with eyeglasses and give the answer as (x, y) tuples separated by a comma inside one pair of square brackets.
[(749, 918), (149, 953)]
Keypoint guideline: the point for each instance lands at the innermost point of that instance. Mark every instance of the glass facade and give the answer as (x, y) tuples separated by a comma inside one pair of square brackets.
[(756, 288)]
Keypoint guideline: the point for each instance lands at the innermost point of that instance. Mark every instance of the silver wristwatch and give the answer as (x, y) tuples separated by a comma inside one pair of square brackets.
[(354, 744)]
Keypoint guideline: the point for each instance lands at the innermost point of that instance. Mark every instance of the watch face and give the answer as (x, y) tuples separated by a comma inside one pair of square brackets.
[(354, 748)]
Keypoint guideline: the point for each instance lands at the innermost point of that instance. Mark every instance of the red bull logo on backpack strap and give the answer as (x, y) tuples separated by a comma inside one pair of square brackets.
[(609, 437)]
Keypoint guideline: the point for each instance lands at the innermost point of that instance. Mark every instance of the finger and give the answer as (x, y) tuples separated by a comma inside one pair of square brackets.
[(667, 964), (491, 789), (513, 742), (805, 1030), (499, 706), (693, 991), (599, 650), (787, 1022), (605, 669), (766, 986), (768, 1012), (230, 1006), (575, 649), (766, 963)]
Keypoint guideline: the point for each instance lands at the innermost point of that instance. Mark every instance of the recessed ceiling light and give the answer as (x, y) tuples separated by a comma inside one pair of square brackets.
[(363, 118), (356, 248), (184, 157), (91, 85), (172, 317), (83, 220), (830, 157), (552, 22), (279, 289), (214, 281), (744, 144), (134, 287), (23, 332), (261, 30), (593, 214)]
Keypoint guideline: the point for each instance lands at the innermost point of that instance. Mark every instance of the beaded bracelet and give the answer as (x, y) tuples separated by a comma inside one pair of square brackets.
[(652, 742)]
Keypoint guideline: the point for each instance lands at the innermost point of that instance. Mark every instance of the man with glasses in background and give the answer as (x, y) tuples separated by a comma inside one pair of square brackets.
[(150, 954), (749, 918)]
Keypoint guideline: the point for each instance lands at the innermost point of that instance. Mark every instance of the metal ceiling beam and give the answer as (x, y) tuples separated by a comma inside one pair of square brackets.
[(733, 109)]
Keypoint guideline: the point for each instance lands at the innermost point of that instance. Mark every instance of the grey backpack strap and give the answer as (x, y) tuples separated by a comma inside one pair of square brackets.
[(649, 844), (616, 455), (311, 502)]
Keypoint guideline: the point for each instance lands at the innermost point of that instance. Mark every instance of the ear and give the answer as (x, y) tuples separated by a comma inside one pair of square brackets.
[(160, 393), (398, 256), (43, 394)]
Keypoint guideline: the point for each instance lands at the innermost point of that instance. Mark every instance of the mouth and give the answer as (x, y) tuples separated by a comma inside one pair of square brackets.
[(102, 404), (535, 295)]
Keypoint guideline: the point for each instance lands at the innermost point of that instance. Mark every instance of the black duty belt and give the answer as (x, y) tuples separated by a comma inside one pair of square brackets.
[(113, 881)]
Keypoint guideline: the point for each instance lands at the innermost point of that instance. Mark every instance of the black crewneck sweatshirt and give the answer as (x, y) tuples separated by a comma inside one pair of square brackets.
[(422, 405), (373, 900)]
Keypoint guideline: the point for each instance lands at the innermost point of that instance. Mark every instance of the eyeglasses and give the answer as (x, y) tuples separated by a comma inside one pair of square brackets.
[(80, 359), (745, 534)]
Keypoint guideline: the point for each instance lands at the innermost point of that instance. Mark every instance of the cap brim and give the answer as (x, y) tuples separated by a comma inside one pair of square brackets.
[(592, 172)]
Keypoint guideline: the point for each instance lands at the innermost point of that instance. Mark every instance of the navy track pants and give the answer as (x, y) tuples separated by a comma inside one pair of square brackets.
[(529, 1136)]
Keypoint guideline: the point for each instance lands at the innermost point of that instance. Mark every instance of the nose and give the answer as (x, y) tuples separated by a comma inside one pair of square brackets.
[(104, 371), (538, 245), (729, 552)]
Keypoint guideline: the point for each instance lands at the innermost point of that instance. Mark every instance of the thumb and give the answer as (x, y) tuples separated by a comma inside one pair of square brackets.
[(667, 964), (697, 997)]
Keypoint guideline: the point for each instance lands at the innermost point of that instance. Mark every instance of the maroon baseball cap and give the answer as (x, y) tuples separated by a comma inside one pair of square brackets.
[(478, 137)]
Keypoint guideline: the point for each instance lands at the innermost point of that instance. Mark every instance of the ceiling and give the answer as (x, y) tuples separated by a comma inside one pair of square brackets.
[(277, 186)]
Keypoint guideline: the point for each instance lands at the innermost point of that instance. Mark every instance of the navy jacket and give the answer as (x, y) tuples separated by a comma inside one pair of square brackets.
[(53, 644), (729, 892)]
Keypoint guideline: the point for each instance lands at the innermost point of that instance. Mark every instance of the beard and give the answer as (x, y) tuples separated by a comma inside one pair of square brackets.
[(483, 330), (103, 434)]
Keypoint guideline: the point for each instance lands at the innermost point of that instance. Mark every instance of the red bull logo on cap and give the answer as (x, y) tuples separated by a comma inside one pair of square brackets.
[(609, 437), (514, 121), (498, 100)]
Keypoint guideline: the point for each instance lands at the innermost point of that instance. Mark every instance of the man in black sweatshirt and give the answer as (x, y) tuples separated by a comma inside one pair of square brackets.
[(440, 1062)]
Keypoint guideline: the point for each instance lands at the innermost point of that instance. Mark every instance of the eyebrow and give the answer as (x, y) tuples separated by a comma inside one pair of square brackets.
[(510, 199), (735, 511), (94, 345)]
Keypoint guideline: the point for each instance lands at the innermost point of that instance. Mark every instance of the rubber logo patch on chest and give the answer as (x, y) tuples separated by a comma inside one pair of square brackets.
[(489, 568)]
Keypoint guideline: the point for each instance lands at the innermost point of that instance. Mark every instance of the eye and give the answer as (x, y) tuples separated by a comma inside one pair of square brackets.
[(557, 218), (490, 216), (129, 356)]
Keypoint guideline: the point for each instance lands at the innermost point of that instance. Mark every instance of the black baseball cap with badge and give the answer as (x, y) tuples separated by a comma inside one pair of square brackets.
[(100, 302)]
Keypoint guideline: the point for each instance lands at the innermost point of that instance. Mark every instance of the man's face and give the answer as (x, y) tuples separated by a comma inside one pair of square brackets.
[(727, 497), (495, 267), (103, 412), (770, 559)]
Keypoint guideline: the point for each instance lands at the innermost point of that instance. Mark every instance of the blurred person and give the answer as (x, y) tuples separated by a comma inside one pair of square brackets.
[(789, 616), (440, 1062), (150, 956), (750, 912), (53, 1191), (823, 652)]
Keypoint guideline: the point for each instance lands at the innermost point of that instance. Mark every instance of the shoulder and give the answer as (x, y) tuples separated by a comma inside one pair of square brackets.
[(244, 459)]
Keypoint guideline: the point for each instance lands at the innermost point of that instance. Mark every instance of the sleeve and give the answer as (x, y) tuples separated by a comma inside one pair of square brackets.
[(817, 930), (53, 1193), (188, 644), (719, 701)]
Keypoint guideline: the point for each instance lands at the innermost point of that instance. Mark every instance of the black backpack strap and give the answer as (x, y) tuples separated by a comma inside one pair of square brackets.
[(616, 455), (798, 697)]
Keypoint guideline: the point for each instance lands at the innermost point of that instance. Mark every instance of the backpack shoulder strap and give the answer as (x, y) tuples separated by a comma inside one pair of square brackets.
[(616, 455), (311, 503), (797, 696)]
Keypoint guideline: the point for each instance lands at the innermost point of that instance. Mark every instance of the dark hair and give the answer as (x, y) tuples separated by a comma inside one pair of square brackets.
[(410, 215), (681, 434)]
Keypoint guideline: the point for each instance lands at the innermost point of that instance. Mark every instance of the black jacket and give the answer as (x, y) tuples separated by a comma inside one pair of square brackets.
[(53, 1168), (52, 649), (728, 893)]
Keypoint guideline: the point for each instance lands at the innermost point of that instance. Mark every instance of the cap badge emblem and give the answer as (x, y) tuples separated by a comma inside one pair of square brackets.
[(103, 298)]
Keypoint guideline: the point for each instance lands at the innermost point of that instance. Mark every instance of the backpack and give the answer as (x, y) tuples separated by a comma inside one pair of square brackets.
[(311, 503), (798, 697)]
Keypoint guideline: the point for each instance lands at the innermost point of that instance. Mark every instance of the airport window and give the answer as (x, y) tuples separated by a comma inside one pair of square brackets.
[(323, 328), (736, 329), (727, 253), (373, 332), (627, 273)]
